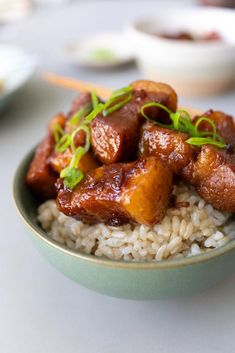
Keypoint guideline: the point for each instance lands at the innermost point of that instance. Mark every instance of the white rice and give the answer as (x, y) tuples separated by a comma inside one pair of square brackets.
[(183, 232)]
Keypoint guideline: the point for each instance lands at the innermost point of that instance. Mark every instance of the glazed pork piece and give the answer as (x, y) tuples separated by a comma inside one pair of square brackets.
[(209, 169), (119, 193), (46, 165), (157, 92), (81, 102), (59, 161), (40, 177), (168, 145), (214, 177), (224, 123), (115, 137)]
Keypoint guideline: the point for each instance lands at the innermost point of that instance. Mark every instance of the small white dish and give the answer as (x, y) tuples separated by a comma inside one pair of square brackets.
[(16, 68), (192, 68), (104, 50)]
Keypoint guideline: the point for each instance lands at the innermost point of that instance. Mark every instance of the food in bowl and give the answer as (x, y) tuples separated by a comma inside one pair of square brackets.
[(134, 178), (184, 35), (193, 68)]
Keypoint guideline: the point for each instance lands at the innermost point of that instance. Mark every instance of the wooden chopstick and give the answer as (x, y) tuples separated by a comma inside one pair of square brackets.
[(76, 85), (83, 86)]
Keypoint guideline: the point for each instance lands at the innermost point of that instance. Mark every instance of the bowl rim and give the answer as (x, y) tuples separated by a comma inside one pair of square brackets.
[(134, 24), (39, 233)]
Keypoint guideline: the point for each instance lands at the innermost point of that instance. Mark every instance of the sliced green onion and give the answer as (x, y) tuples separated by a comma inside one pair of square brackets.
[(71, 174), (73, 178), (209, 121), (181, 122), (75, 119), (176, 120), (94, 113), (158, 105), (185, 114), (122, 91), (58, 132), (94, 99), (116, 106), (114, 103), (87, 131), (63, 143), (199, 141), (77, 156)]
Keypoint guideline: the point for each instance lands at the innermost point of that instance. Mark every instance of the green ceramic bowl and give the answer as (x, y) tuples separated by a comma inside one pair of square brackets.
[(168, 278)]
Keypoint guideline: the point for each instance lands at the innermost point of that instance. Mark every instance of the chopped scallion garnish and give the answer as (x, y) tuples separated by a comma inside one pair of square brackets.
[(94, 113), (75, 119), (122, 91), (199, 141), (73, 178), (94, 99), (63, 143), (116, 106), (86, 129), (181, 122), (58, 132), (209, 121), (71, 174), (117, 100)]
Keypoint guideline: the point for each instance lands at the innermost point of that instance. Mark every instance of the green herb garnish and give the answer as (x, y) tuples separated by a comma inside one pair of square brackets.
[(73, 177), (94, 99), (116, 106), (181, 122), (199, 141), (63, 143), (71, 174), (94, 113), (121, 92), (58, 132), (75, 119), (117, 100)]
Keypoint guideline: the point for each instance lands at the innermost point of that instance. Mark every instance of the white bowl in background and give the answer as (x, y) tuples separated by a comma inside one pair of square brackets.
[(192, 68)]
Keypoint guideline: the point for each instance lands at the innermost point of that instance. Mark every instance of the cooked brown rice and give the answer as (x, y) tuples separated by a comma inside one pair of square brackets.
[(183, 232)]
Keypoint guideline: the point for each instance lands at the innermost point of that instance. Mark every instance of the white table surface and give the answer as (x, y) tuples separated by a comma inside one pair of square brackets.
[(41, 311)]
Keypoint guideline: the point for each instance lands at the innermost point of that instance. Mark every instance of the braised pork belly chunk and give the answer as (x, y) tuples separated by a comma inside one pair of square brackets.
[(115, 137), (116, 161), (168, 145), (214, 177), (59, 161), (157, 92), (47, 163), (224, 123), (119, 193), (40, 176)]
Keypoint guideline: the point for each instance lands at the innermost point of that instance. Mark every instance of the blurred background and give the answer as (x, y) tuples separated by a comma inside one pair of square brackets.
[(103, 42)]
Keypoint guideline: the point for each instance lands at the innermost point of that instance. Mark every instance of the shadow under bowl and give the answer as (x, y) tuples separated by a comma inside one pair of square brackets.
[(130, 280)]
